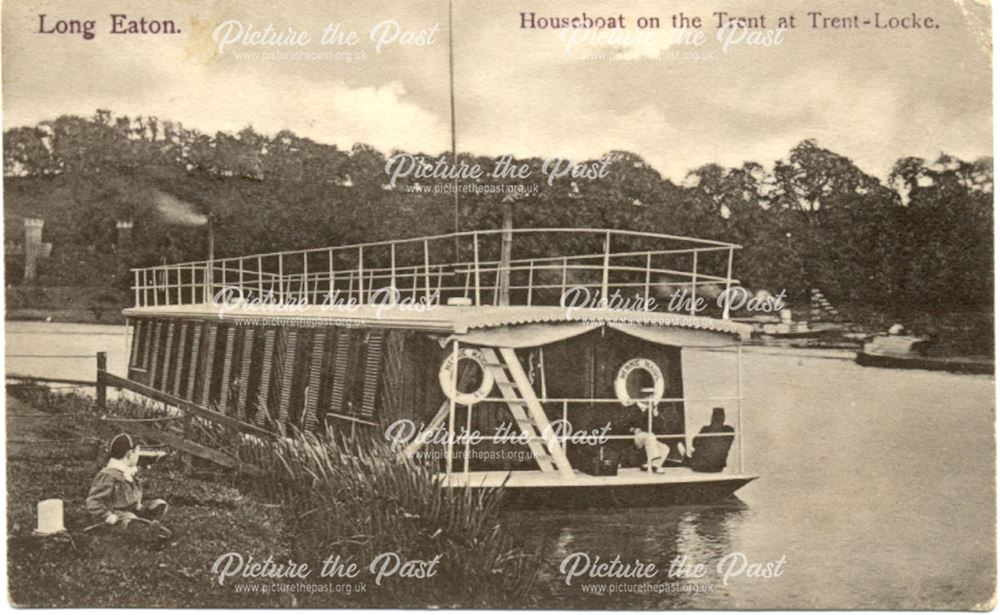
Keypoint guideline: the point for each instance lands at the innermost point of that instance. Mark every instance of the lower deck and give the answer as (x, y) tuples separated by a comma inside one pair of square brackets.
[(524, 413)]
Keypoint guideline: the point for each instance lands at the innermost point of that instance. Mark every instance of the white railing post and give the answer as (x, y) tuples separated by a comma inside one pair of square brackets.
[(475, 260), (210, 274), (392, 266), (427, 274), (260, 276), (531, 279), (604, 269), (694, 282), (330, 274), (281, 278), (503, 271), (729, 281), (305, 277), (440, 279), (649, 267), (136, 286), (361, 276), (562, 287), (206, 289)]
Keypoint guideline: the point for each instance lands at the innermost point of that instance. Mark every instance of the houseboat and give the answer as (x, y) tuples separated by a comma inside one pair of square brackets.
[(538, 359)]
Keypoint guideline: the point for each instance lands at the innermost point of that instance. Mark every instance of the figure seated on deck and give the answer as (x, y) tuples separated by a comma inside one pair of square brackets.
[(658, 453), (709, 452)]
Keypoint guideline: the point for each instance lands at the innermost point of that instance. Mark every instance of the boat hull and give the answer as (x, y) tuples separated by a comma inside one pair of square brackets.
[(631, 489), (633, 496)]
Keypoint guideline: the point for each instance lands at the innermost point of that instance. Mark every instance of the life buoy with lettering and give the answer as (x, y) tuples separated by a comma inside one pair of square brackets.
[(447, 379), (621, 382)]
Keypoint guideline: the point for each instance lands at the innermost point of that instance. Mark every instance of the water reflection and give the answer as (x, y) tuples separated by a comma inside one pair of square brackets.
[(684, 535)]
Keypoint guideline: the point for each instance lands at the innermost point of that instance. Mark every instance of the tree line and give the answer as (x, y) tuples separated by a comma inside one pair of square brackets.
[(921, 236)]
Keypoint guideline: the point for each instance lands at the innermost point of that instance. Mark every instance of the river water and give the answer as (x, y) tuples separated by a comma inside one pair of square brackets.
[(876, 489)]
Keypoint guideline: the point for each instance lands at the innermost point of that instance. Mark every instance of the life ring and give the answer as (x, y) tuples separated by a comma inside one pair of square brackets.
[(621, 381), (447, 379)]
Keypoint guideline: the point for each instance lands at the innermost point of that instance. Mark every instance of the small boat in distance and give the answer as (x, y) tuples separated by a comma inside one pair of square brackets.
[(910, 352), (462, 349)]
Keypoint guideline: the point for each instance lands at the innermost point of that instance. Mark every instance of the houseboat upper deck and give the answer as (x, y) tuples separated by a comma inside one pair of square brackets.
[(526, 267)]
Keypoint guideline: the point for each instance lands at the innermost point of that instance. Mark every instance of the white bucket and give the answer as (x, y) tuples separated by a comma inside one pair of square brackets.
[(50, 517)]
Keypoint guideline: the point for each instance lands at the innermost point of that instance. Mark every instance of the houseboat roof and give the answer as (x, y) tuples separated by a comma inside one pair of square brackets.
[(512, 326)]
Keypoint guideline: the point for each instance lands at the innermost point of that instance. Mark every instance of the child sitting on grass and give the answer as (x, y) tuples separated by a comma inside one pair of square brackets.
[(115, 496)]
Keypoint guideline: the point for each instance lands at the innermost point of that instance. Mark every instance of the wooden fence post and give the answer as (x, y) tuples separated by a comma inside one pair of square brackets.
[(187, 459), (102, 388)]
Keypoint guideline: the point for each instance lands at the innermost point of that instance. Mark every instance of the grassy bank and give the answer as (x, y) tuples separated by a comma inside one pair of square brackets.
[(317, 499), (55, 447)]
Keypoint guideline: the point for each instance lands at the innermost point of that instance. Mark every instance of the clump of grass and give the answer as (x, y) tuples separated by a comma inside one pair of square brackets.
[(355, 498), (53, 401)]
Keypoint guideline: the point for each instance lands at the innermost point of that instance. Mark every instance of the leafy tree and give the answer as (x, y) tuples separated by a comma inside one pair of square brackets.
[(924, 237)]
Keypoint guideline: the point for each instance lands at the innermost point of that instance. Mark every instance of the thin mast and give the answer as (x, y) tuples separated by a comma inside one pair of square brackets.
[(451, 94)]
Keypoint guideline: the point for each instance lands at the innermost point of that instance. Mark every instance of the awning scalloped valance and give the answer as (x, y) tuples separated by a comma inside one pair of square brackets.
[(534, 335)]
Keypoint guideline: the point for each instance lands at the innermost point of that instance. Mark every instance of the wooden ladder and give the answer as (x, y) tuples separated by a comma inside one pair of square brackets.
[(526, 410)]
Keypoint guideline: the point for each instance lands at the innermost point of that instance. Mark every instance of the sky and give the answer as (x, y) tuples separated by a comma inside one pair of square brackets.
[(872, 95)]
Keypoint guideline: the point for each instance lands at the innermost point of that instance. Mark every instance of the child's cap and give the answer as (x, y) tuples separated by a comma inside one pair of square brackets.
[(120, 445)]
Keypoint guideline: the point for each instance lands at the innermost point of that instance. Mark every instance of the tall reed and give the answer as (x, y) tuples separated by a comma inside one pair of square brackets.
[(355, 498)]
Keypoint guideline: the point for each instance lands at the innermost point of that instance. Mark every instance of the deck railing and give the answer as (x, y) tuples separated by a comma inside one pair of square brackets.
[(533, 266)]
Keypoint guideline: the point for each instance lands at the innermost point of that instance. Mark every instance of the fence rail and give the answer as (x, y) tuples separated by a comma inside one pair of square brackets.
[(493, 267)]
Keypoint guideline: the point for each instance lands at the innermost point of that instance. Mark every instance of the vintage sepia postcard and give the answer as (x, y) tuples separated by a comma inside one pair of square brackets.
[(472, 304)]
